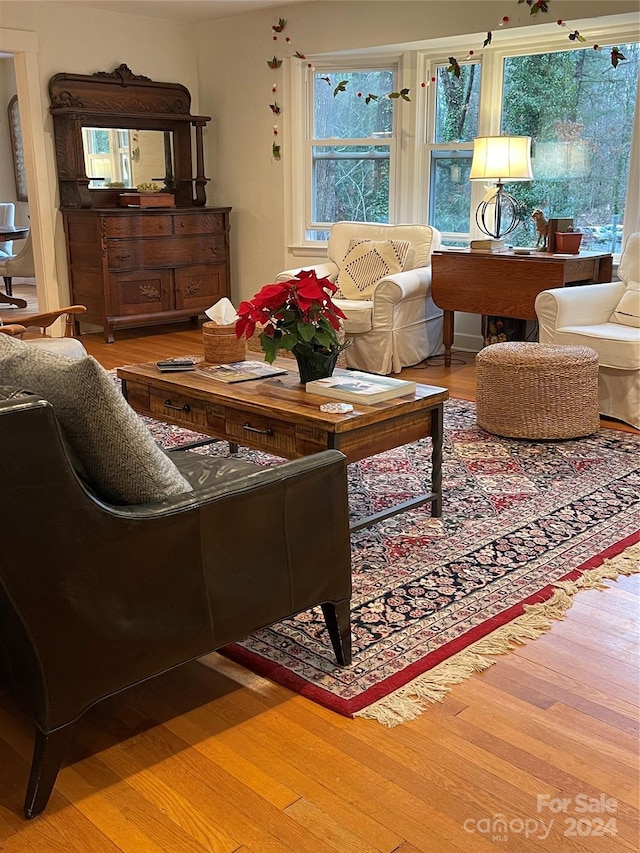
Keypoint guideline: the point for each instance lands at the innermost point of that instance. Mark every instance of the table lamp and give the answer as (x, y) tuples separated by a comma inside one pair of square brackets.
[(501, 159)]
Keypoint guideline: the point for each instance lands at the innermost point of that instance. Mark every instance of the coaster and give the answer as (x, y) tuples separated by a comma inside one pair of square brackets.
[(336, 408)]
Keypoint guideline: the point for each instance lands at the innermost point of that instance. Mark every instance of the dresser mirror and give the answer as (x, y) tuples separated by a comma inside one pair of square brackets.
[(117, 157), (116, 130)]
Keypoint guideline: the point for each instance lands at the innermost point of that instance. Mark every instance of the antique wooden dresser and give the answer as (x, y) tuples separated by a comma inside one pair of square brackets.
[(134, 267)]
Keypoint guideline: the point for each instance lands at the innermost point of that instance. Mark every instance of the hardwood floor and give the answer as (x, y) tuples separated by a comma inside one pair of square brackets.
[(217, 759)]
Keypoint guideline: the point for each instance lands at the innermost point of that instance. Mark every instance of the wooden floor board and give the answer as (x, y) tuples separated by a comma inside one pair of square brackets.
[(212, 757)]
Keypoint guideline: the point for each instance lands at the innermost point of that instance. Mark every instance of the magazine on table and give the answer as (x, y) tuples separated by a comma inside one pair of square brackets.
[(239, 371), (358, 387)]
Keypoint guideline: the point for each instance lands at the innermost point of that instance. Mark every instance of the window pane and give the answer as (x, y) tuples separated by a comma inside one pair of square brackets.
[(450, 191), (457, 104), (578, 110), (350, 182), (346, 116)]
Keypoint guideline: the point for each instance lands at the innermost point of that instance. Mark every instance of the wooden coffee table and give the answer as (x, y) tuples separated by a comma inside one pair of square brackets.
[(278, 416)]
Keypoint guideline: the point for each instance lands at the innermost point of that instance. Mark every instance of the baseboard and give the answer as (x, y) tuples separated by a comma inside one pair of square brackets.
[(467, 343)]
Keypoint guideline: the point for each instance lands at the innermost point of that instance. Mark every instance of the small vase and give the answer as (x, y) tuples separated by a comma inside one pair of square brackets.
[(315, 365)]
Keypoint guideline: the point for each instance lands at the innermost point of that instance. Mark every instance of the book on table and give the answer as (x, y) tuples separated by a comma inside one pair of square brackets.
[(358, 387), (239, 371), (488, 245)]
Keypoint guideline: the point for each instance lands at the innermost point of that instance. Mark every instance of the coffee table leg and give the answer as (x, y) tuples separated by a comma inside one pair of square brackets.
[(437, 428), (435, 497)]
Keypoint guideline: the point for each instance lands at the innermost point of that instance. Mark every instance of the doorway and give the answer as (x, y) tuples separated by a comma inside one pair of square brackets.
[(20, 48)]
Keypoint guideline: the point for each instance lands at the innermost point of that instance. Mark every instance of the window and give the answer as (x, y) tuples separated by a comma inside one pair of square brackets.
[(107, 156), (454, 124), (350, 150), (578, 110), (347, 161)]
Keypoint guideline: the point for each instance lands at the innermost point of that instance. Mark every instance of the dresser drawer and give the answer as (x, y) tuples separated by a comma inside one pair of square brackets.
[(137, 292), (137, 226), (178, 408), (278, 437), (198, 287), (198, 223), (165, 252)]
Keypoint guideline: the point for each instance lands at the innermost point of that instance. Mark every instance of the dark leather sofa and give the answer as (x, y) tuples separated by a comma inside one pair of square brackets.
[(95, 598)]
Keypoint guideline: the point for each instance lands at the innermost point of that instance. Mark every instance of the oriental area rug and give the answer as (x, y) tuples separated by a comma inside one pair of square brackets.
[(525, 526)]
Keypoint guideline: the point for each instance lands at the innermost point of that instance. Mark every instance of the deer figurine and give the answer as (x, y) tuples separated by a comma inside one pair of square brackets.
[(542, 227)]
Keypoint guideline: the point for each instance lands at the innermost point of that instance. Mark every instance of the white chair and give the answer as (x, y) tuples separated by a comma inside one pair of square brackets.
[(396, 323), (7, 220), (583, 315), (21, 264)]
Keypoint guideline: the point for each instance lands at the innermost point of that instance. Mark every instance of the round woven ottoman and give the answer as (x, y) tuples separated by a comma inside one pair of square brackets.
[(526, 390)]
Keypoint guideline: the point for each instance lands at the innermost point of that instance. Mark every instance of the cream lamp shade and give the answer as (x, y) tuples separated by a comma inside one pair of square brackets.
[(501, 159)]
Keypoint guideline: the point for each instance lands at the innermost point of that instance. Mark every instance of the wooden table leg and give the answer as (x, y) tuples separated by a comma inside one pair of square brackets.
[(437, 431), (447, 336), (5, 299)]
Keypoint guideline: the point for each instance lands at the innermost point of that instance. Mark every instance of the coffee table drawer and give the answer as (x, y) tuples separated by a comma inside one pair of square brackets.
[(177, 408), (278, 437)]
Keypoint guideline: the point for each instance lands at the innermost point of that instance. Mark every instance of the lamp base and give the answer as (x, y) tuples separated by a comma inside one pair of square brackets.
[(498, 215)]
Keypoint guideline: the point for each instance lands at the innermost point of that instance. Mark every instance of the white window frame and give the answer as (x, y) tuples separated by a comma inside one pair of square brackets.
[(299, 143), (430, 63)]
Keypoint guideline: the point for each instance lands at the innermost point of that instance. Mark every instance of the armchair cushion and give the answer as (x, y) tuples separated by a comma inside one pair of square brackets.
[(366, 262), (113, 449), (628, 309), (422, 238)]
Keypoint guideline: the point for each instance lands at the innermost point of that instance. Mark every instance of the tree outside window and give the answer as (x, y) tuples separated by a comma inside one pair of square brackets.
[(578, 110)]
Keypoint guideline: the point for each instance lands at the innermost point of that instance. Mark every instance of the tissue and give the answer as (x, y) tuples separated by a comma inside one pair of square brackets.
[(223, 312)]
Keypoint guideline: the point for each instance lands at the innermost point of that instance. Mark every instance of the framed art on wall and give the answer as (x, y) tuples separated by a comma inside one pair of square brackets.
[(15, 132)]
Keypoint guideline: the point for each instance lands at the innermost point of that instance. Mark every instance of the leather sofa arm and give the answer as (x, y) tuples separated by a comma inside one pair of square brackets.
[(284, 537), (243, 484), (584, 305)]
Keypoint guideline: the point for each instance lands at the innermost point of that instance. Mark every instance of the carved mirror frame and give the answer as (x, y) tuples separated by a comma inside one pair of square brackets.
[(123, 99)]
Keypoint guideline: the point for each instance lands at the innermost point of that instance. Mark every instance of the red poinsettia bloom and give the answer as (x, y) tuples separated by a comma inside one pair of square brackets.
[(296, 313)]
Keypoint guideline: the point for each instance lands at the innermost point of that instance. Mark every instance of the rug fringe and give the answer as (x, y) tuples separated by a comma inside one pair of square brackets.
[(410, 701)]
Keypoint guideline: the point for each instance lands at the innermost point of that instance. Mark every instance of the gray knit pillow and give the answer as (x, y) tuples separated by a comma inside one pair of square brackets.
[(116, 453)]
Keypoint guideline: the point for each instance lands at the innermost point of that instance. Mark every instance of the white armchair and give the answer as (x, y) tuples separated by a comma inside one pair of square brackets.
[(397, 323), (7, 214), (583, 315), (21, 264)]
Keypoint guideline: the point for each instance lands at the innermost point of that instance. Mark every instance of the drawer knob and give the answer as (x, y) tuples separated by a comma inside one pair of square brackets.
[(123, 256), (249, 428), (170, 405)]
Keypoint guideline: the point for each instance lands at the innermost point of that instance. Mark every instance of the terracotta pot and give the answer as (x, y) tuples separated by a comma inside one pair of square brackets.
[(568, 242)]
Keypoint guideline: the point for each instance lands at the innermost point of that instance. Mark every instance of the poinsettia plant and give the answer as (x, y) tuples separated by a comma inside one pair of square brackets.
[(296, 315)]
